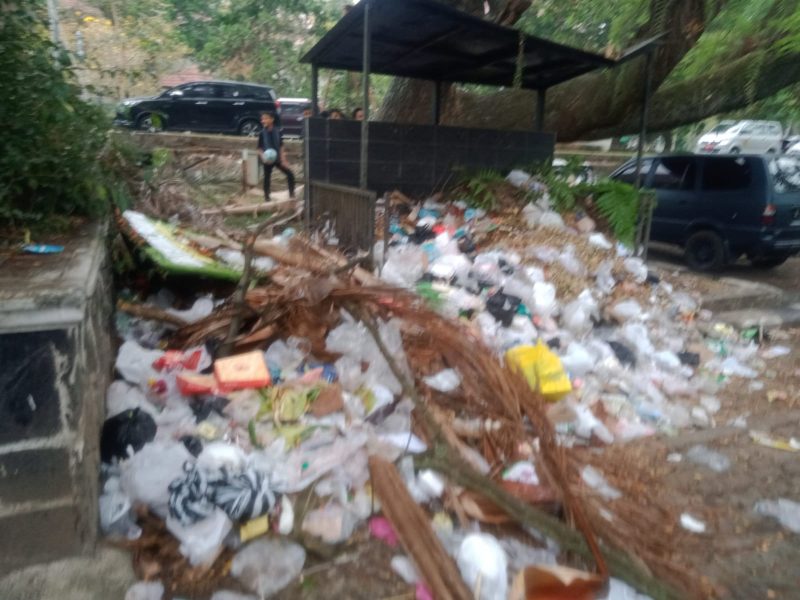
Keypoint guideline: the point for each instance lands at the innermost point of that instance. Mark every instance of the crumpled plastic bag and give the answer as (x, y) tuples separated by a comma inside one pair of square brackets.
[(544, 299), (577, 315), (445, 381), (404, 265), (636, 267), (787, 512), (627, 310), (146, 476), (265, 567), (145, 590), (201, 542), (135, 363), (481, 557)]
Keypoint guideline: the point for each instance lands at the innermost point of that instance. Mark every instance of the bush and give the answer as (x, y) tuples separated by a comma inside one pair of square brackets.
[(51, 138)]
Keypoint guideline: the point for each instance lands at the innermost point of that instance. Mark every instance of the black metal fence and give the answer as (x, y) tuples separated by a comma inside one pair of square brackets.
[(344, 216), (415, 159)]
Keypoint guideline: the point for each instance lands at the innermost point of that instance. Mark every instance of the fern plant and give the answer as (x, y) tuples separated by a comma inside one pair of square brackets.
[(480, 188), (619, 204)]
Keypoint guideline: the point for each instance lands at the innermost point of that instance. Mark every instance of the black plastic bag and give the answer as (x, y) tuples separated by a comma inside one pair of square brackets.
[(129, 429)]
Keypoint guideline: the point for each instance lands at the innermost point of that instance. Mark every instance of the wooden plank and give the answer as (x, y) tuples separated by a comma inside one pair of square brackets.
[(438, 570)]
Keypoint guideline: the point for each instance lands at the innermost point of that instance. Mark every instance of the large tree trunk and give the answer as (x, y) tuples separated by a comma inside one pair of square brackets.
[(596, 102), (753, 77)]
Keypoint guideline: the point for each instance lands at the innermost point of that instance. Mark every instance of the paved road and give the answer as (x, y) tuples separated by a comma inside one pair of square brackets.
[(786, 277)]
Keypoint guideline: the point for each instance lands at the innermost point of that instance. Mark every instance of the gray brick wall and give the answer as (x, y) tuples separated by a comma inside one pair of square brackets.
[(55, 352)]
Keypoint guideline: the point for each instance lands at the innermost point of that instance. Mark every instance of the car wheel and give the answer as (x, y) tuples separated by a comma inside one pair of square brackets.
[(705, 251), (250, 128), (149, 122), (768, 262), (735, 150)]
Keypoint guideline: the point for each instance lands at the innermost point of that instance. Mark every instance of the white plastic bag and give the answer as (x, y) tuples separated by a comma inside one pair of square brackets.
[(627, 310), (570, 262), (147, 474), (577, 361), (201, 542), (577, 315), (518, 178), (636, 268), (445, 381), (551, 220), (544, 299), (480, 557), (605, 278), (404, 265), (135, 363), (787, 512), (267, 566), (145, 590)]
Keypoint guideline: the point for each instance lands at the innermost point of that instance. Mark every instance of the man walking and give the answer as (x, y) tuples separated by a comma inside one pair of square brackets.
[(270, 148)]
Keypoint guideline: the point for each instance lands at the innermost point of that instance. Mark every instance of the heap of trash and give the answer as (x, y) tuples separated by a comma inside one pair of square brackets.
[(432, 402)]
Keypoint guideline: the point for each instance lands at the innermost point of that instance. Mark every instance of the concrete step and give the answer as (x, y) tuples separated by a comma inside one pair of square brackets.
[(787, 315)]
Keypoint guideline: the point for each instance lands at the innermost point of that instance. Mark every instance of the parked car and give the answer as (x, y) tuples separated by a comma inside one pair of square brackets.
[(742, 137), (794, 148), (211, 106), (293, 115), (719, 208), (584, 174)]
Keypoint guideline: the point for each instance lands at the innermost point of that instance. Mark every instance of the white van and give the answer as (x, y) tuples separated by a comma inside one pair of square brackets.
[(742, 137)]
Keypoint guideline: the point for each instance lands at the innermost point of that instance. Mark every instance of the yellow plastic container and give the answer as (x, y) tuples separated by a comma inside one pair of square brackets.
[(542, 369)]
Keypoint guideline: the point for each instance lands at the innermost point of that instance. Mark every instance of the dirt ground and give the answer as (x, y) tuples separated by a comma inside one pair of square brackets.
[(741, 554)]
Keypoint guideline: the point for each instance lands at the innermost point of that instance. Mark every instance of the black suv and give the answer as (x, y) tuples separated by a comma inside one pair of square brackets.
[(719, 208), (213, 106)]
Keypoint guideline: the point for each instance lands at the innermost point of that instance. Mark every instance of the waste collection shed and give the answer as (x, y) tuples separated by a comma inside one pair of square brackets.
[(424, 39), (427, 40)]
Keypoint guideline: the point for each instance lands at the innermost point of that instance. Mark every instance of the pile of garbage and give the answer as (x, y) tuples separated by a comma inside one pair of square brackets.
[(452, 380)]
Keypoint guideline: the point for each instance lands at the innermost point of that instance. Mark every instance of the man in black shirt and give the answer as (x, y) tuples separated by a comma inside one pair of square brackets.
[(270, 139)]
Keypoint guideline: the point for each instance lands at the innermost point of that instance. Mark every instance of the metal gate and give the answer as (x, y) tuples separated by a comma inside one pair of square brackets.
[(344, 216)]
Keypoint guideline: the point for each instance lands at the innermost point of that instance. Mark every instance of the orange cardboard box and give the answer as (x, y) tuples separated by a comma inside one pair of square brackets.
[(247, 370), (191, 383)]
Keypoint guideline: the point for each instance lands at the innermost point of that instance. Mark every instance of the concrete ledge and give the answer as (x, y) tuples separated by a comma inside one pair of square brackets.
[(55, 349), (743, 294)]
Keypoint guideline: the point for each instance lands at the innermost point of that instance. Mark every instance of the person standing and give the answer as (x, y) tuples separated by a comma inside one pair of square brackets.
[(358, 114), (270, 139)]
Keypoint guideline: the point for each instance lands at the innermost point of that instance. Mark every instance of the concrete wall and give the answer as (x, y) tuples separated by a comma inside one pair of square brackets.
[(55, 359)]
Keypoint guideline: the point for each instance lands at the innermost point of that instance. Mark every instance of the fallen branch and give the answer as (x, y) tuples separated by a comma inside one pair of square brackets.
[(150, 313), (240, 295), (444, 459), (246, 209), (415, 532)]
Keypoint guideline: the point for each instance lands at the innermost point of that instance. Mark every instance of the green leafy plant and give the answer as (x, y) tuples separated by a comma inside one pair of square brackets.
[(480, 188), (619, 204), (52, 138)]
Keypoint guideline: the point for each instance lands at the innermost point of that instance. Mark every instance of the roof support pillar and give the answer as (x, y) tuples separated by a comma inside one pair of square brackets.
[(365, 69), (541, 96), (437, 102), (314, 90), (648, 74)]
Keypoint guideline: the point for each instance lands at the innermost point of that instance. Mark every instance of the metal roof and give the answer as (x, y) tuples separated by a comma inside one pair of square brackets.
[(424, 39)]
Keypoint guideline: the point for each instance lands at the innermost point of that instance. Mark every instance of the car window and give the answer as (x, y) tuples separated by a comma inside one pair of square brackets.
[(233, 91), (628, 174), (785, 171), (726, 174), (262, 93), (201, 90), (675, 173), (775, 130)]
